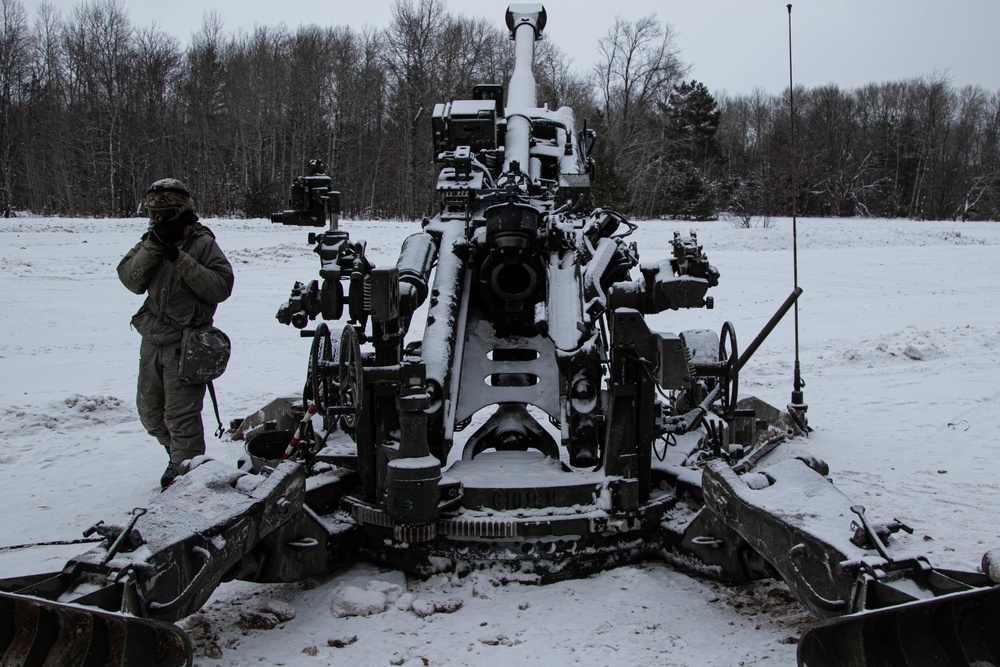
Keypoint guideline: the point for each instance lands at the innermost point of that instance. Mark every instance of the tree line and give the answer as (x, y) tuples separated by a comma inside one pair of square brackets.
[(918, 149), (94, 108)]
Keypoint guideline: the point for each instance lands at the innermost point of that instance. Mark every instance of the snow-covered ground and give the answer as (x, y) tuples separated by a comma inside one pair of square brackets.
[(900, 348)]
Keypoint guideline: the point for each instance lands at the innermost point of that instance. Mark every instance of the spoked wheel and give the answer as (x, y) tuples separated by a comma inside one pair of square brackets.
[(730, 379), (322, 370), (350, 381)]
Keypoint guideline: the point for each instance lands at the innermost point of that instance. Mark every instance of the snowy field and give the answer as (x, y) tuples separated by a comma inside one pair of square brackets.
[(900, 349)]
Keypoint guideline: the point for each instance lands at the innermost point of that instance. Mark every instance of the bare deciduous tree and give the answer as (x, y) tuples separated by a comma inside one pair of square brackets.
[(639, 65), (93, 109), (14, 68)]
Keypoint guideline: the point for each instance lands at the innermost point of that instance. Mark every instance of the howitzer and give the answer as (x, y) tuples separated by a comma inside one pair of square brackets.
[(498, 397)]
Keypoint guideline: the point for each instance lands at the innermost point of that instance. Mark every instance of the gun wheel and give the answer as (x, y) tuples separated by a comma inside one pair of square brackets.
[(350, 378), (322, 365), (730, 380)]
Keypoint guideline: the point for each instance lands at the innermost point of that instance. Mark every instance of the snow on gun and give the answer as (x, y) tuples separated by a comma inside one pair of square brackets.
[(535, 422)]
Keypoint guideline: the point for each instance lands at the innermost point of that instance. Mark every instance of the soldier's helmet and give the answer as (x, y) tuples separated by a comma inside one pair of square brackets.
[(166, 199)]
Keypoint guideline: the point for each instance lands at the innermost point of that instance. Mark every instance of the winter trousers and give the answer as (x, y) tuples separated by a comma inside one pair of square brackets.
[(169, 410)]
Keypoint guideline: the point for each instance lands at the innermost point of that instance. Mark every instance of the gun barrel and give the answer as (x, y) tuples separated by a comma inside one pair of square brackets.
[(526, 22)]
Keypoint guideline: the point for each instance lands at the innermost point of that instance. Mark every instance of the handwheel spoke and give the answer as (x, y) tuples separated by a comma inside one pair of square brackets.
[(321, 361), (350, 379), (729, 355)]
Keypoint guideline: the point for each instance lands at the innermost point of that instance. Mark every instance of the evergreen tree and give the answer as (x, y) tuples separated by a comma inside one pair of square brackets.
[(694, 121), (692, 124)]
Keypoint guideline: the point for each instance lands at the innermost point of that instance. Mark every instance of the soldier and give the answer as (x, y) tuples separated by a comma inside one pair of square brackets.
[(184, 274)]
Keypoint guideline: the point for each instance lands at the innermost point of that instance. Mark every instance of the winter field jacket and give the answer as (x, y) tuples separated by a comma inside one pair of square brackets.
[(186, 291)]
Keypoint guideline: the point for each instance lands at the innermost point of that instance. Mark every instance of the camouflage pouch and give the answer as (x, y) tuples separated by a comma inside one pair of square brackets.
[(204, 355)]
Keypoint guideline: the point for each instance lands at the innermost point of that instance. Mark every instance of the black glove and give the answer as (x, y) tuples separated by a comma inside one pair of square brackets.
[(171, 252)]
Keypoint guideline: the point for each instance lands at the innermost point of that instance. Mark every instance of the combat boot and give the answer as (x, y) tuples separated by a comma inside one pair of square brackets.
[(168, 477)]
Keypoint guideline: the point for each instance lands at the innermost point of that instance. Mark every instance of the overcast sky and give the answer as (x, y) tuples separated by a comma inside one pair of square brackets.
[(731, 45)]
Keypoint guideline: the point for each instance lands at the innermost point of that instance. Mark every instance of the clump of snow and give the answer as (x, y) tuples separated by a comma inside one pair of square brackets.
[(500, 640), (375, 598), (916, 353), (213, 650), (72, 412), (255, 619), (904, 346), (92, 404), (423, 607), (483, 587), (341, 642), (248, 483), (354, 601), (380, 596), (405, 602), (390, 589), (280, 609), (266, 615)]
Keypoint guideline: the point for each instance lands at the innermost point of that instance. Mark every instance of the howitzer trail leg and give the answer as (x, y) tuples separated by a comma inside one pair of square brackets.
[(42, 632), (793, 522), (911, 614), (958, 629)]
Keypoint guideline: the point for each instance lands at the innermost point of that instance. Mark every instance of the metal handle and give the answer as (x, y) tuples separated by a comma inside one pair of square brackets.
[(195, 581)]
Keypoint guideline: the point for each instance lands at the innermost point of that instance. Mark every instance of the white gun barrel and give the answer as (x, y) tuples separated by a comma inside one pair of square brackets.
[(526, 22)]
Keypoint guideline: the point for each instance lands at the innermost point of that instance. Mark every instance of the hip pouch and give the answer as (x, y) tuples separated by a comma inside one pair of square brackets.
[(204, 355)]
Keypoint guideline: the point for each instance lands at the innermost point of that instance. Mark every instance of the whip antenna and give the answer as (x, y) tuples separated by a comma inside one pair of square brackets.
[(797, 408)]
